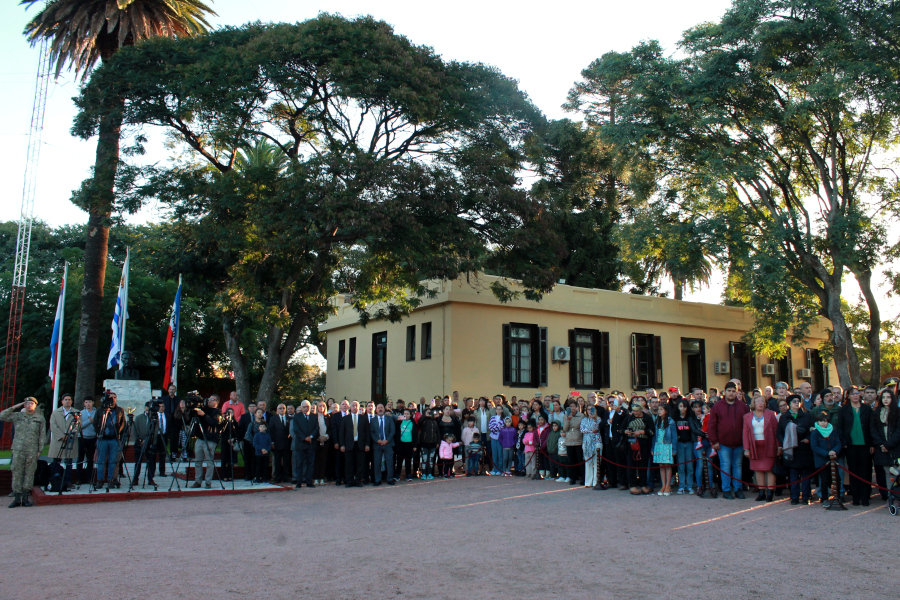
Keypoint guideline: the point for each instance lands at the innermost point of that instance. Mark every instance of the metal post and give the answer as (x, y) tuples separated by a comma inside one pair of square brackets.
[(835, 503)]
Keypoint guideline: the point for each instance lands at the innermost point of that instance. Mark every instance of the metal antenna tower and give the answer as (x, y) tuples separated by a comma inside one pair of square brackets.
[(23, 240)]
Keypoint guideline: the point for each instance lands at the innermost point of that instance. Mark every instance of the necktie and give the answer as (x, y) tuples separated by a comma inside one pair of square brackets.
[(354, 428), (162, 423), (282, 419), (382, 427)]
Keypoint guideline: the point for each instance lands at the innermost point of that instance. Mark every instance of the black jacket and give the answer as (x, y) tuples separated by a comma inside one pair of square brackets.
[(362, 432), (430, 433), (865, 417), (803, 454), (616, 426), (302, 427), (117, 426), (211, 422), (279, 432), (891, 442)]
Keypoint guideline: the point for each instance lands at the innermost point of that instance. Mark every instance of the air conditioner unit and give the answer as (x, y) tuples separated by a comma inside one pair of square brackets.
[(560, 354), (804, 373), (768, 369), (722, 367)]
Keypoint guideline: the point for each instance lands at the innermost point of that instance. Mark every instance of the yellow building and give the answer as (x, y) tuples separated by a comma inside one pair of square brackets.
[(465, 340)]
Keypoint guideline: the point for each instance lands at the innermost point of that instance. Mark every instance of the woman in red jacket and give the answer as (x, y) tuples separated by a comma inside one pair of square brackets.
[(761, 446)]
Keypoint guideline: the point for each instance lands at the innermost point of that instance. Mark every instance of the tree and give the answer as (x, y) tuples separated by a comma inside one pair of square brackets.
[(401, 168), (81, 32), (777, 116)]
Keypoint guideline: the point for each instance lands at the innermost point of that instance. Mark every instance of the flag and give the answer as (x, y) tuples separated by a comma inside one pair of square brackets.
[(119, 318), (56, 338), (171, 375)]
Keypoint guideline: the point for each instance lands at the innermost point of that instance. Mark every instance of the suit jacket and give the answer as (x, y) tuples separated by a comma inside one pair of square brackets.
[(169, 405), (337, 428), (302, 427), (279, 432), (389, 430), (142, 429), (58, 426), (243, 424), (362, 432)]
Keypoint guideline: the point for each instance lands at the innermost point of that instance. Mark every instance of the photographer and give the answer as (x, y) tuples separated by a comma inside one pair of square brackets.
[(149, 443), (109, 423), (230, 444), (207, 425), (64, 428), (87, 442)]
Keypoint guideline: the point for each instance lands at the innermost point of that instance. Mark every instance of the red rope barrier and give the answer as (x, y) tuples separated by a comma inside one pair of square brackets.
[(767, 487), (874, 485)]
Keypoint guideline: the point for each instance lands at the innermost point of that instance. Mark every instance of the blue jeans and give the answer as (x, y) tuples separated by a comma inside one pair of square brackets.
[(683, 453), (507, 459), (472, 463), (698, 471), (800, 488), (427, 461), (496, 456), (107, 451), (730, 461), (520, 460)]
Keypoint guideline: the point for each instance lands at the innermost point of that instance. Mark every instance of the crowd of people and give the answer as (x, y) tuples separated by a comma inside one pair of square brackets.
[(767, 440)]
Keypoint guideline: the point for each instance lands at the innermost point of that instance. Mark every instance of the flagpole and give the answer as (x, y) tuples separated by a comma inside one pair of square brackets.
[(177, 340), (59, 342), (124, 315)]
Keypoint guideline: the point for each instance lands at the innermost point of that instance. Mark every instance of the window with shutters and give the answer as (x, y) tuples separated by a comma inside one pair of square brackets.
[(351, 362), (426, 340), (411, 343), (342, 354), (646, 361), (524, 355), (589, 362)]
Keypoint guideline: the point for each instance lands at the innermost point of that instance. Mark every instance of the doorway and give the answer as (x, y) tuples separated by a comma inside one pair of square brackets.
[(693, 364), (379, 367)]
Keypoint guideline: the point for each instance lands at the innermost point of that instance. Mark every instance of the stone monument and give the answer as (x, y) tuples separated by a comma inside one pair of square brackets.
[(131, 391)]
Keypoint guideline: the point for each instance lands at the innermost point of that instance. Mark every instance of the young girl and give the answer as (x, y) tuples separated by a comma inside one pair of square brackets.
[(508, 443), (429, 436), (520, 448), (663, 442), (445, 455), (553, 451), (530, 443)]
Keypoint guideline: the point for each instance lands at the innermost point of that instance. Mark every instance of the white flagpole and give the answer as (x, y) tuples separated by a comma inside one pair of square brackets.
[(177, 333), (124, 315), (59, 342)]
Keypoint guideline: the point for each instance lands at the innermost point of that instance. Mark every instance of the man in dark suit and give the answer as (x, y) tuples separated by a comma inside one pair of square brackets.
[(247, 446), (305, 435), (279, 430), (337, 431), (354, 445), (170, 400), (382, 429)]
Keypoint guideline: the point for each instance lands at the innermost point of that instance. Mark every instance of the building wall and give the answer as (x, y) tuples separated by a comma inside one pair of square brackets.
[(467, 345)]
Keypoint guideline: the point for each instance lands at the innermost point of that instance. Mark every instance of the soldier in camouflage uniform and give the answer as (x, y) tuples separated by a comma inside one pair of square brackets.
[(26, 446)]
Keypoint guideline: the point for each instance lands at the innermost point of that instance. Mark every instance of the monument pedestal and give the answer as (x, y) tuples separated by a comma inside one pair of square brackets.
[(130, 393)]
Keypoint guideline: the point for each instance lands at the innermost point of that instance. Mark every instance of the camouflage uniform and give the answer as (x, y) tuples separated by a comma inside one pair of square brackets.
[(26, 446)]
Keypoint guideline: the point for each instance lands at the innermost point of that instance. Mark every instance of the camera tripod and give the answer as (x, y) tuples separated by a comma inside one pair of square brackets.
[(122, 441), (150, 450), (66, 445), (189, 427)]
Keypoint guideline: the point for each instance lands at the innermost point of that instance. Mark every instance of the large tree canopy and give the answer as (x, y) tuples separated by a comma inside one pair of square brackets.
[(771, 129), (330, 155)]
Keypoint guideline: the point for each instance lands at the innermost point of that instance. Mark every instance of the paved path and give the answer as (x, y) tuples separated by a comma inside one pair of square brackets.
[(458, 539)]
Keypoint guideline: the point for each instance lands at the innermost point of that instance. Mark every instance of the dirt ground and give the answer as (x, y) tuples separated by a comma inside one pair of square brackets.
[(485, 537)]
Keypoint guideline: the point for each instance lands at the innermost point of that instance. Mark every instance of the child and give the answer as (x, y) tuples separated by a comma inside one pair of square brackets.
[(563, 452), (429, 436), (825, 446), (262, 443), (553, 451), (663, 441), (508, 444), (520, 448), (468, 433), (530, 444), (445, 455), (473, 456)]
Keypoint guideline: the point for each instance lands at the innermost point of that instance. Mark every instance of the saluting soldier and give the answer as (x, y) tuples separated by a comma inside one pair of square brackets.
[(26, 447)]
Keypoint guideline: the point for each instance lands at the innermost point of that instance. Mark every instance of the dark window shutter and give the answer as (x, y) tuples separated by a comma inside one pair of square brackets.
[(604, 360), (543, 356), (657, 361), (634, 362), (573, 360), (352, 361), (505, 350)]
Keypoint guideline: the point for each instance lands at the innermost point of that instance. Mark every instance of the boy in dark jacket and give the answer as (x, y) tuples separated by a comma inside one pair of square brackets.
[(825, 446), (262, 444)]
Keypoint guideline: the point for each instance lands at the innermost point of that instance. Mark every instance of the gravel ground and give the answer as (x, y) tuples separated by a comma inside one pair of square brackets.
[(485, 537)]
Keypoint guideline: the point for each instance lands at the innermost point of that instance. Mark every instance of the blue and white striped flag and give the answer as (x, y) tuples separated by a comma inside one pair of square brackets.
[(119, 318)]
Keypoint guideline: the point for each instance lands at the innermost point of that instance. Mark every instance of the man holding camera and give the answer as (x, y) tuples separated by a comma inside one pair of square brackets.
[(26, 447), (64, 438), (109, 423), (207, 427)]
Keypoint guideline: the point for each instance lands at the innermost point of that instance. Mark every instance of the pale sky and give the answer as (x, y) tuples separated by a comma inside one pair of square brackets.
[(542, 45)]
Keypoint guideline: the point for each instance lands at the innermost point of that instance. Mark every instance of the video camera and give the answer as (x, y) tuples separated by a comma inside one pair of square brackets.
[(194, 400), (107, 402)]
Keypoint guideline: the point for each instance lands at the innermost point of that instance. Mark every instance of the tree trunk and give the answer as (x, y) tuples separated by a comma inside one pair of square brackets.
[(232, 333), (840, 337), (873, 337), (101, 197), (679, 290), (278, 356)]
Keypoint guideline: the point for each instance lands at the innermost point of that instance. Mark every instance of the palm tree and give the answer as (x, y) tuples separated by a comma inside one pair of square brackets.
[(81, 32)]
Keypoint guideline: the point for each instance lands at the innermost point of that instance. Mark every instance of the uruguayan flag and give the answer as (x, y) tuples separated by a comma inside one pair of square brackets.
[(119, 318)]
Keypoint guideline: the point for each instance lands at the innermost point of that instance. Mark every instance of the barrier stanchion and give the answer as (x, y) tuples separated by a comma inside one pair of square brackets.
[(836, 502), (708, 490)]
